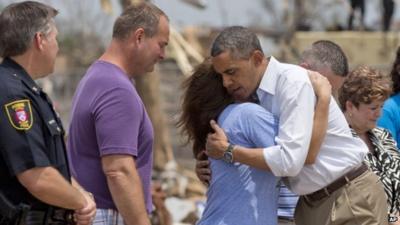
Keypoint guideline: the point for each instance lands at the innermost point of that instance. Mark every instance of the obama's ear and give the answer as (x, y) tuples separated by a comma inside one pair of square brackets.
[(305, 65)]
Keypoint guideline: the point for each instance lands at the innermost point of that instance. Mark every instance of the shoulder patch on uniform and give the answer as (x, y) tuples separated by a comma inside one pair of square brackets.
[(20, 114)]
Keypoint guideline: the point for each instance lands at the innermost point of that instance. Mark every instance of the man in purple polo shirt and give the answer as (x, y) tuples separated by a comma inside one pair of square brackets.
[(111, 136)]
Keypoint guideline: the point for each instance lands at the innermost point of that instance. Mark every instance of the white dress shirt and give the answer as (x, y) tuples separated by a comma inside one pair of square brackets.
[(286, 91)]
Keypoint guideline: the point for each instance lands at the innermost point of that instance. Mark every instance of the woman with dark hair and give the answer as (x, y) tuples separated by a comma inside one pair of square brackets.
[(238, 193), (390, 118), (361, 98)]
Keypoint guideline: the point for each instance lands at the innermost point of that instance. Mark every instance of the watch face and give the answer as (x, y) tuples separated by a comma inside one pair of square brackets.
[(228, 157)]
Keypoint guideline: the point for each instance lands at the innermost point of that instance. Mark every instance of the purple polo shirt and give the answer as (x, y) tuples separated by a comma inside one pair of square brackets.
[(108, 117)]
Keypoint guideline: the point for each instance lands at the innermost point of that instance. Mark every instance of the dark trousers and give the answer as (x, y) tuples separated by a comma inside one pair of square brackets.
[(33, 218), (354, 5), (27, 219), (43, 218), (388, 9)]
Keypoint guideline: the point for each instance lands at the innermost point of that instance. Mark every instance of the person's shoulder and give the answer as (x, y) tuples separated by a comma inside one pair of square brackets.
[(379, 130), (14, 94), (251, 111), (293, 73), (391, 106), (249, 107), (382, 133), (9, 82), (384, 136), (107, 76), (243, 107), (393, 102), (102, 69), (7, 74), (282, 66)]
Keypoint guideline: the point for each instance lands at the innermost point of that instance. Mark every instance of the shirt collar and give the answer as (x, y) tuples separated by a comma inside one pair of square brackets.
[(269, 79), (19, 71)]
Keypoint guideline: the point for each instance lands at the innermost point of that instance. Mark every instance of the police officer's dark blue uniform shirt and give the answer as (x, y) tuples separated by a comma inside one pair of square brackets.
[(31, 134)]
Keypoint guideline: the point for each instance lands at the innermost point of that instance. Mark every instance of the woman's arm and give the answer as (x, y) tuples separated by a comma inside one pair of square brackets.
[(323, 91)]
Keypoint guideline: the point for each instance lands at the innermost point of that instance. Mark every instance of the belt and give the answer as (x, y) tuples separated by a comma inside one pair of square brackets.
[(50, 217), (328, 190), (284, 218)]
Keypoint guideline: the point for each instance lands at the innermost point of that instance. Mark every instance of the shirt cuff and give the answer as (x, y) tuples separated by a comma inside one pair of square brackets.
[(273, 158)]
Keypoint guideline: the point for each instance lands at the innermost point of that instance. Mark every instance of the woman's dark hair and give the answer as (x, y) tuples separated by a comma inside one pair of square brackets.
[(395, 73), (204, 99)]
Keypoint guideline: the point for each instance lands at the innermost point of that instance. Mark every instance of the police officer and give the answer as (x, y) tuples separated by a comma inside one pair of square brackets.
[(35, 182)]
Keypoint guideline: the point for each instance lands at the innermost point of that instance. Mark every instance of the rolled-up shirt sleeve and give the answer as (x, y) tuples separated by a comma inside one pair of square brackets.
[(296, 100)]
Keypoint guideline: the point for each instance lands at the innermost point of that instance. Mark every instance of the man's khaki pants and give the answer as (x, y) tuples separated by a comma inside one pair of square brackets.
[(362, 201)]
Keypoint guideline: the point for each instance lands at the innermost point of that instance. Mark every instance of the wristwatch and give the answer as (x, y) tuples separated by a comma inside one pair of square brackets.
[(393, 218), (228, 154)]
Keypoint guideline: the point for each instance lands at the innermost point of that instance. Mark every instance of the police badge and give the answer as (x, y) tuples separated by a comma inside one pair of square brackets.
[(20, 114)]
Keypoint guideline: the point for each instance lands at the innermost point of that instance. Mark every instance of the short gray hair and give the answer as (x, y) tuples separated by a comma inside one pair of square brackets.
[(326, 53), (19, 22), (239, 41), (140, 15)]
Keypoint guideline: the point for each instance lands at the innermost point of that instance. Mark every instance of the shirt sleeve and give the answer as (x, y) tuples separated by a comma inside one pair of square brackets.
[(22, 148), (118, 115), (296, 106)]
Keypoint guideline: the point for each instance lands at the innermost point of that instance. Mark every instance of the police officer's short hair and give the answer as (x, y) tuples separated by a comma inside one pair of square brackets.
[(139, 15), (326, 53), (239, 41), (19, 22)]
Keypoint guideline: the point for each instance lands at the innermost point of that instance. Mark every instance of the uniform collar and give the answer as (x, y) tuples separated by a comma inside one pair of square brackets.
[(19, 71), (268, 82)]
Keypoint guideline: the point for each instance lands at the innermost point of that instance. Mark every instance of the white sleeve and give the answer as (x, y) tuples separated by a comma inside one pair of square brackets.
[(296, 101)]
